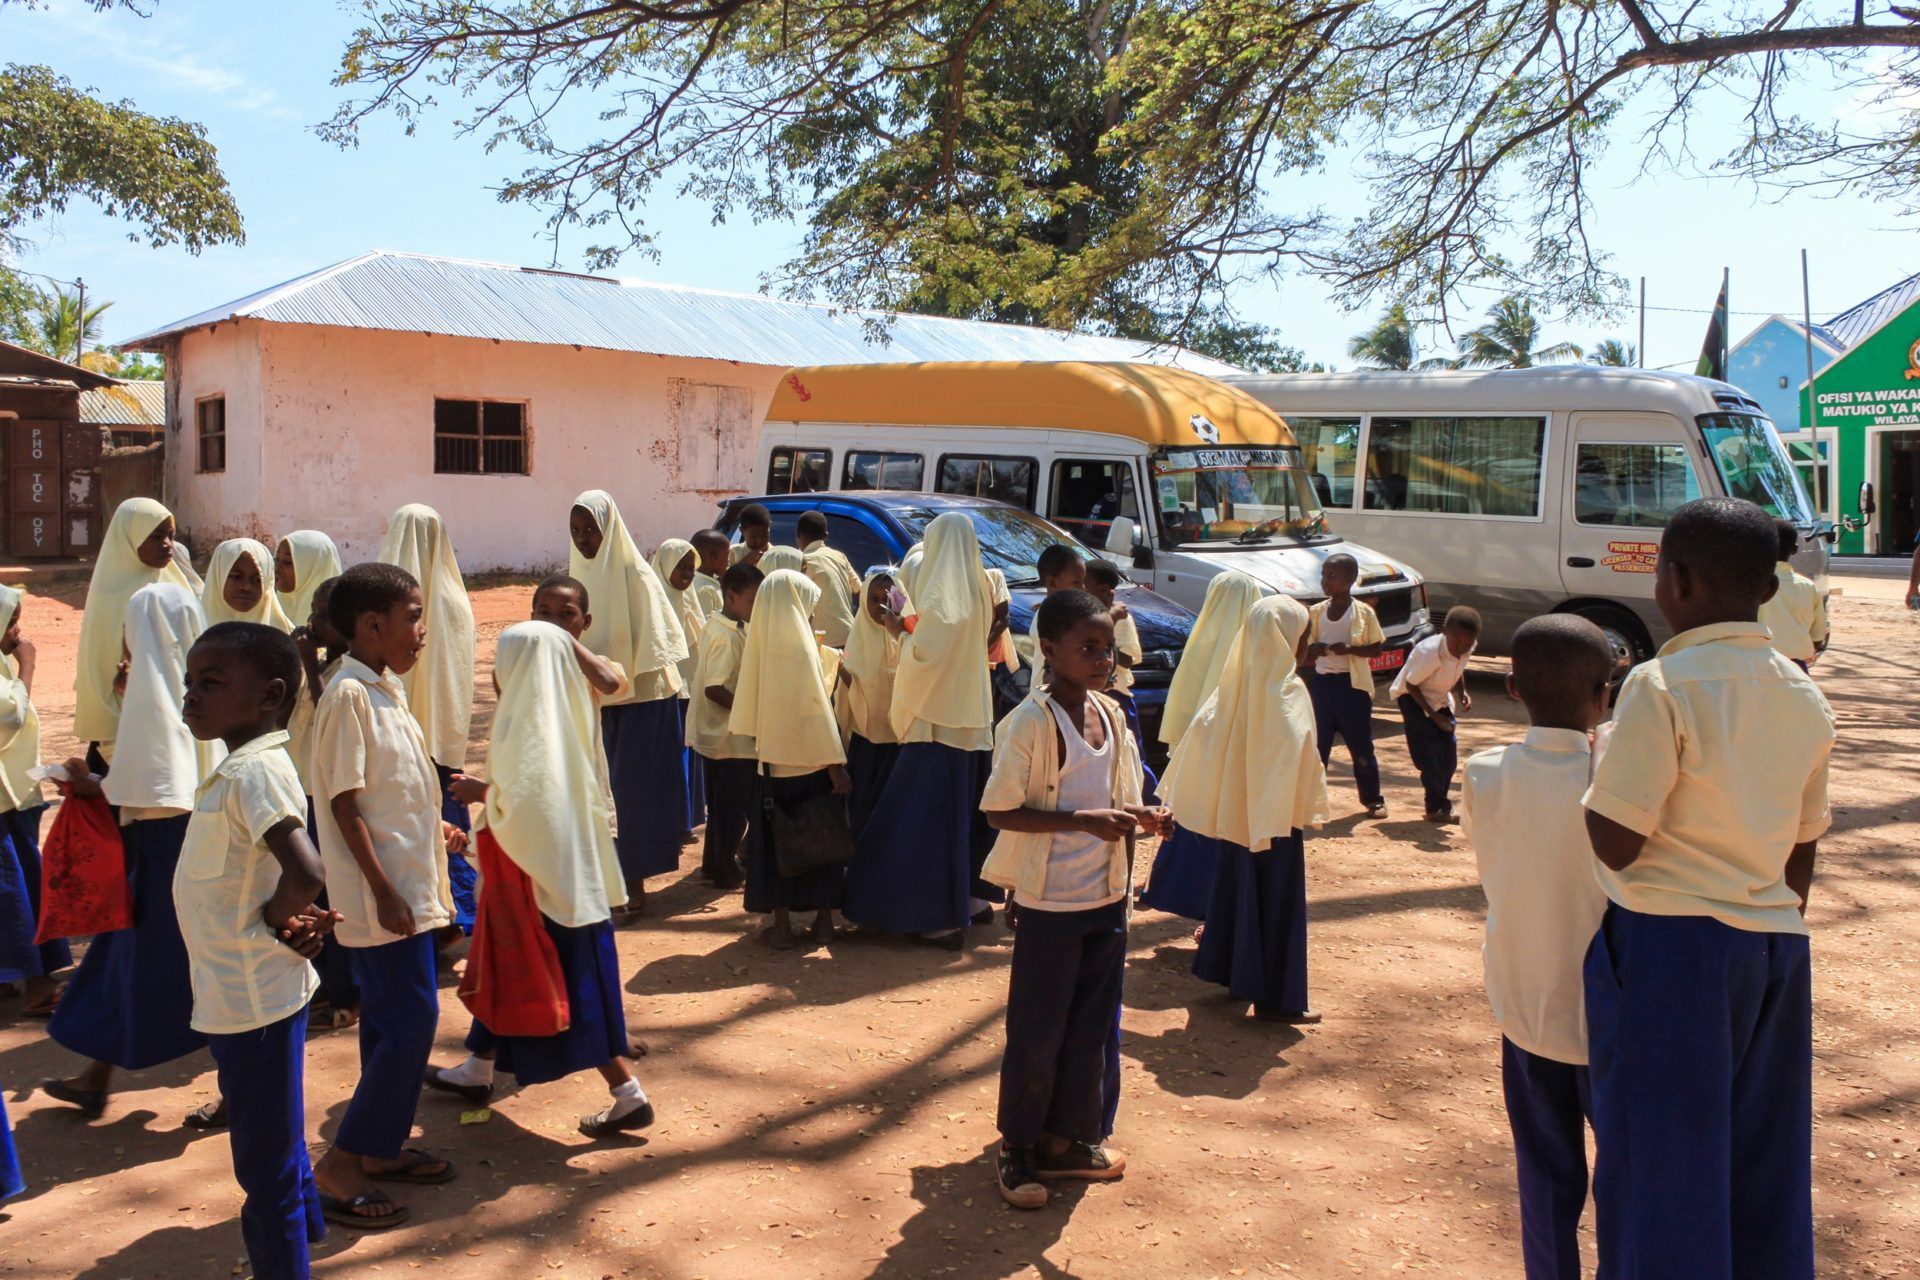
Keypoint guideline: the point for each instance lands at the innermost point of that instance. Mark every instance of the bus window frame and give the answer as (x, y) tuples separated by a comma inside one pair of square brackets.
[(1363, 471), (883, 453), (1573, 478), (796, 449), (1033, 480), (1125, 462)]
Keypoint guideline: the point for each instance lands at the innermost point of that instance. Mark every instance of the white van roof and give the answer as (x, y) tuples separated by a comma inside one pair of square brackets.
[(1564, 386)]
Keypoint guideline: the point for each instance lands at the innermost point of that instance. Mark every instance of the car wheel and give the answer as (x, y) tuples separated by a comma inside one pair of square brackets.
[(1626, 639)]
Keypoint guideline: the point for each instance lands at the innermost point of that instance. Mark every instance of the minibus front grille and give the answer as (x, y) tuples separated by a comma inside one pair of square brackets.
[(1392, 607)]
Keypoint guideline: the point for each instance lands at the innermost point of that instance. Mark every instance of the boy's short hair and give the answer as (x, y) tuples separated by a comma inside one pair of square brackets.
[(1056, 557), (1341, 560), (1103, 572), (810, 527), (708, 538), (374, 587), (1462, 618), (1560, 660), (561, 582), (756, 515), (267, 651), (741, 577), (1789, 537), (1062, 611), (1730, 544)]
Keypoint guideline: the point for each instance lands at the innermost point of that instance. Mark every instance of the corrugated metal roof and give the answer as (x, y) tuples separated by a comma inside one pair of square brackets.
[(1857, 322), (458, 298), (137, 403)]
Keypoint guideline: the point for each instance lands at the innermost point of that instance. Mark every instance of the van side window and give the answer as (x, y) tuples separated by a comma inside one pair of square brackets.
[(1088, 493), (799, 471), (1456, 466), (1330, 447), (1007, 479), (883, 471), (1638, 485)]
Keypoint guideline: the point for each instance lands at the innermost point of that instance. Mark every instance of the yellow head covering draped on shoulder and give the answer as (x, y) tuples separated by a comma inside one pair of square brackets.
[(1247, 769), (1230, 598), (942, 677), (315, 559), (117, 574), (440, 686), (781, 701), (873, 654), (160, 764), (633, 622), (545, 802), (213, 593), (683, 605), (780, 557)]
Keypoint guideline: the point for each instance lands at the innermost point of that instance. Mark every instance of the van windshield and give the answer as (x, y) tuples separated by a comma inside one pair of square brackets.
[(1754, 466), (1011, 540), (1242, 495)]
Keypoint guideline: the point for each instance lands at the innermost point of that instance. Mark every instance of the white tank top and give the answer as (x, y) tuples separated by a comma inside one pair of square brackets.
[(1077, 862)]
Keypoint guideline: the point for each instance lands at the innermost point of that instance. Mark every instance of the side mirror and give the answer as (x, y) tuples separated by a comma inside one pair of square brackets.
[(1120, 536), (1866, 498)]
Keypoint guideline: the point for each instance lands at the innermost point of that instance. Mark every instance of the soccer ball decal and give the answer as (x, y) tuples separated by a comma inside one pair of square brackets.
[(1204, 429)]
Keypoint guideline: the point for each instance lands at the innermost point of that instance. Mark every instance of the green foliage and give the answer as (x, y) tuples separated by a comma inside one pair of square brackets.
[(57, 325), (1389, 344), (139, 367), (1614, 353), (1506, 340)]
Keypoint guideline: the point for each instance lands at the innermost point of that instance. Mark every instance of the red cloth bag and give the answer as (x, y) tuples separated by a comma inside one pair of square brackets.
[(513, 982), (83, 873)]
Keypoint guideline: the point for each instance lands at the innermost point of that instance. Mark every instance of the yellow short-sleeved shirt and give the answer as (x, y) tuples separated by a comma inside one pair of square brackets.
[(830, 571), (708, 732), (1718, 756), (1796, 617), (1364, 630), (19, 741)]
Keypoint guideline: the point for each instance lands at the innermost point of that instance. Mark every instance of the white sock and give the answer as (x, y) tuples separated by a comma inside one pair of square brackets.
[(628, 1097), (474, 1071)]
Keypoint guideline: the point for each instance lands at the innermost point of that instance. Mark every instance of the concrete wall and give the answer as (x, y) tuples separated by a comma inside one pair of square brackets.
[(343, 434), (223, 360)]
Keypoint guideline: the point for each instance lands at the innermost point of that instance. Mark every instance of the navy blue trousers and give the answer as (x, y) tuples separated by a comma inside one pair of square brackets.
[(399, 1010), (1436, 755), (1701, 1037), (729, 790), (1548, 1106), (1340, 710), (261, 1076), (1063, 997)]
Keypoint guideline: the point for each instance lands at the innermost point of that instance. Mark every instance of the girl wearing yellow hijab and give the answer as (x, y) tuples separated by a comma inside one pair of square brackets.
[(21, 806), (1247, 773), (784, 704), (304, 559), (675, 563), (864, 700), (238, 586), (917, 859), (1183, 869), (137, 550), (635, 627)]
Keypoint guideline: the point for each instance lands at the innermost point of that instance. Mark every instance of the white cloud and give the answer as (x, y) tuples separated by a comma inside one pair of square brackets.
[(156, 46)]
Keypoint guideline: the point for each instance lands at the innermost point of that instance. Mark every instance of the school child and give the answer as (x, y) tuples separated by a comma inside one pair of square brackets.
[(1246, 773), (1431, 692), (776, 558), (1064, 795), (1705, 813), (245, 890), (864, 700), (1796, 614), (1103, 578), (21, 806), (833, 573), (440, 684), (129, 1004), (674, 563), (913, 866), (727, 756), (711, 546), (633, 624), (237, 586), (1060, 568), (182, 557), (384, 845), (337, 1005), (1520, 809), (135, 551), (756, 535), (302, 561), (1183, 870), (1342, 634), (783, 702)]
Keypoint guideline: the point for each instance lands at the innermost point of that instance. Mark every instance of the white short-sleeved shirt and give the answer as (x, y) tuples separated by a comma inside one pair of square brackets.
[(708, 723), (1126, 639), (1796, 616), (1520, 808), (1718, 757), (243, 976), (366, 740), (1430, 673)]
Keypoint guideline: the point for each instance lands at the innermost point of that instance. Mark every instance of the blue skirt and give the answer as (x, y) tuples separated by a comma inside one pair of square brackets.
[(11, 1183), (1183, 874), (597, 1018), (1256, 940), (131, 1001), (20, 957), (461, 874), (767, 889), (647, 765), (696, 773), (913, 863), (870, 764)]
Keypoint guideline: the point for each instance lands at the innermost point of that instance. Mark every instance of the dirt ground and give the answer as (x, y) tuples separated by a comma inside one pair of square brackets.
[(830, 1113)]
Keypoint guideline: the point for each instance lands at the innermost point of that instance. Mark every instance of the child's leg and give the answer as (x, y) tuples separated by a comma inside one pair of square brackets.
[(1040, 995), (1423, 745), (1355, 719), (1547, 1107), (729, 790), (1077, 1111), (399, 1009), (1326, 716), (261, 1078), (1773, 1121), (1446, 763)]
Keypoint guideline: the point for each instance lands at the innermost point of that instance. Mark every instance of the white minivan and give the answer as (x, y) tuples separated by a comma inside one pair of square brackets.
[(1527, 491), (1175, 475)]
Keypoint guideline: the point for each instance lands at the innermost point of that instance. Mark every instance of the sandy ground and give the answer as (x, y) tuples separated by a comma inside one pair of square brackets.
[(830, 1113)]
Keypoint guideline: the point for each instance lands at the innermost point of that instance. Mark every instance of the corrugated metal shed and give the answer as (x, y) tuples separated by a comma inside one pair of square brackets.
[(458, 298), (1857, 322), (138, 403)]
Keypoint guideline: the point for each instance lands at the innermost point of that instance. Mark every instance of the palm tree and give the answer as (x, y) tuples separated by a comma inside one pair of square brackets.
[(1506, 340), (59, 328), (1389, 344), (1614, 353)]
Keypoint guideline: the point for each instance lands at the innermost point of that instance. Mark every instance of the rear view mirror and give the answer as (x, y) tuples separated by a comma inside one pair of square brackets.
[(1120, 536)]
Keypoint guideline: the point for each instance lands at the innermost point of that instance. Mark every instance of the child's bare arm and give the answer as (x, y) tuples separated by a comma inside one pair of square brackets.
[(288, 912), (394, 914), (25, 658), (723, 696), (1108, 824), (600, 673), (1616, 846), (1800, 870)]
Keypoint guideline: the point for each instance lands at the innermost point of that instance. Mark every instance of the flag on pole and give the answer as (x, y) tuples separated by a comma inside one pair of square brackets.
[(1713, 352)]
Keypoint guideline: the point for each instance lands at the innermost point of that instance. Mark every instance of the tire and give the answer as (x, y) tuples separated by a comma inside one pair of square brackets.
[(1627, 639)]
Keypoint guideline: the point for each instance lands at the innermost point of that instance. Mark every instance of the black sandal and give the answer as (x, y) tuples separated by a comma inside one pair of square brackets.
[(92, 1102), (345, 1212), (410, 1172), (208, 1116)]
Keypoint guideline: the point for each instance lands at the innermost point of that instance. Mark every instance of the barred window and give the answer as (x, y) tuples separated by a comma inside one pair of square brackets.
[(480, 437), (210, 433)]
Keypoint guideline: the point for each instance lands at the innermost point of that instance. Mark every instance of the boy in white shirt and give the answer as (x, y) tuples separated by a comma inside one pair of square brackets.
[(1520, 808), (1343, 634), (1705, 814), (1796, 616), (244, 890), (1428, 689)]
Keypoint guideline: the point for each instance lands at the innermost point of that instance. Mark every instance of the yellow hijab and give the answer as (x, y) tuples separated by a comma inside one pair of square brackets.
[(117, 574), (315, 559), (160, 764), (1230, 598), (873, 655), (213, 593), (19, 746), (546, 804), (683, 605), (633, 622), (777, 558), (1247, 770), (440, 686), (942, 678), (781, 701)]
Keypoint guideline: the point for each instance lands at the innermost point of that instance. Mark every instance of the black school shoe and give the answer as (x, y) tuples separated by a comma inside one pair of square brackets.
[(1019, 1179), (1082, 1162)]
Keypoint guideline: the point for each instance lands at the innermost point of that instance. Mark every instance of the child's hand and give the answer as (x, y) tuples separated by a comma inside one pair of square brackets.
[(841, 779), (393, 913), (1108, 824), (456, 838), (1154, 819), (1466, 700), (1314, 652), (305, 932), (23, 649), (1119, 612), (467, 790), (1444, 721), (80, 779), (120, 677), (1339, 649)]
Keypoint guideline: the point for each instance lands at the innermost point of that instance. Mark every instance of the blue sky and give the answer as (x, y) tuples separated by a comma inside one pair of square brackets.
[(258, 74)]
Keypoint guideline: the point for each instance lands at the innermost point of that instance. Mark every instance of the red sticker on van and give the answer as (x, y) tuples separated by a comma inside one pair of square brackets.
[(1631, 557)]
